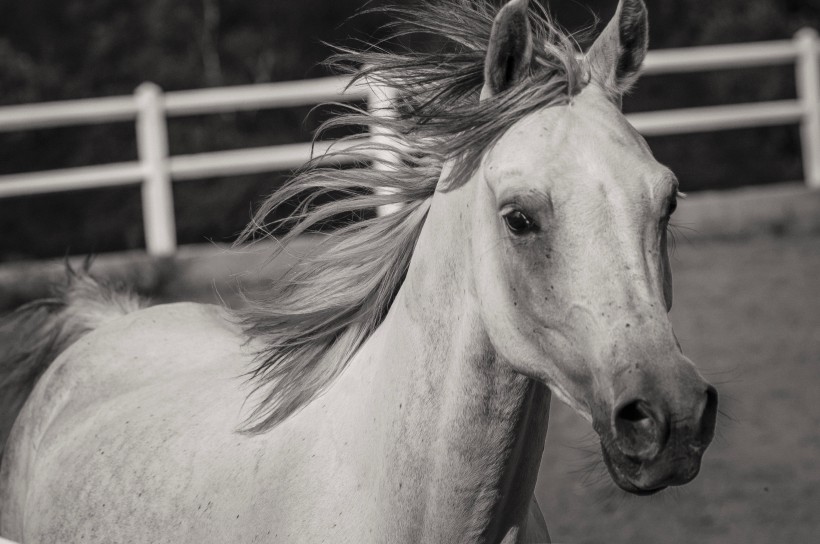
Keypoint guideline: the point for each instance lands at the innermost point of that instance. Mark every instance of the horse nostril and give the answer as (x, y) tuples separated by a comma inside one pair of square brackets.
[(638, 432), (633, 412), (709, 416)]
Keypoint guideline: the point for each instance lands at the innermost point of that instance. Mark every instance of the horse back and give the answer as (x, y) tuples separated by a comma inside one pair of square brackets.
[(34, 335), (122, 390)]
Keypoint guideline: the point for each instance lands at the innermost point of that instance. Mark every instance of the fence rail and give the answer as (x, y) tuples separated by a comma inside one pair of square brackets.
[(156, 169)]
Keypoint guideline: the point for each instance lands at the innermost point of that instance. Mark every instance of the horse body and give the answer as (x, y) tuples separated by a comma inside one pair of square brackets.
[(424, 438), (417, 408)]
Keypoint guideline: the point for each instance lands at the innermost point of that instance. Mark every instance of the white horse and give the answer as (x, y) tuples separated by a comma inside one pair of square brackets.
[(401, 375)]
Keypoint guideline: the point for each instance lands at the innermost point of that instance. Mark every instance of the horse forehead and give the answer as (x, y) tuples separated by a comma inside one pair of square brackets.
[(586, 140)]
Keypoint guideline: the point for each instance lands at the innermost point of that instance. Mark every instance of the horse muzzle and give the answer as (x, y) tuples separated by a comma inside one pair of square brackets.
[(647, 446)]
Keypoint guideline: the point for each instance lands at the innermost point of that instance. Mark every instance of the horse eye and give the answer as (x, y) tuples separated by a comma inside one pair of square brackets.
[(517, 222)]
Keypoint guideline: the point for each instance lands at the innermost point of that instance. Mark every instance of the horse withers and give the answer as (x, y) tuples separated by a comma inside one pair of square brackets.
[(394, 385)]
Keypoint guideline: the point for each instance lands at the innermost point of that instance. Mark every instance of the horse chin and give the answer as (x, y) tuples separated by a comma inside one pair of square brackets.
[(644, 492), (627, 483)]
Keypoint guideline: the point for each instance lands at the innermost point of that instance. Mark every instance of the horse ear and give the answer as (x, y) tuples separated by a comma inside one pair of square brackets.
[(616, 56), (509, 52)]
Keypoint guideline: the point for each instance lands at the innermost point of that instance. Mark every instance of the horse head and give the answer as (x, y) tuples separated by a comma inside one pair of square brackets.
[(570, 260)]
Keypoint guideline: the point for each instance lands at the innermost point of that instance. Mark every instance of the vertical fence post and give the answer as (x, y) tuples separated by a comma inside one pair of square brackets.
[(808, 91), (380, 104), (157, 195)]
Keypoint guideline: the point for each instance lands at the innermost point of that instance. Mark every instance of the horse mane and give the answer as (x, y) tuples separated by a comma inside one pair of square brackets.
[(313, 319)]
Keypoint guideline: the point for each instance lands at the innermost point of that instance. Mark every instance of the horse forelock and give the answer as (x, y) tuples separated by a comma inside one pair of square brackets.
[(313, 319)]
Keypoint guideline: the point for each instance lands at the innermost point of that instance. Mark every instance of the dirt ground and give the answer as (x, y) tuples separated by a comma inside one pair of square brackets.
[(748, 314)]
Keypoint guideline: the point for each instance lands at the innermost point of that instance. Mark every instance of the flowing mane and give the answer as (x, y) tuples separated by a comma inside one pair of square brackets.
[(313, 319)]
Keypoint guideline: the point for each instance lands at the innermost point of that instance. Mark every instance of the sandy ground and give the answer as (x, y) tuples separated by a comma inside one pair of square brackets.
[(748, 313)]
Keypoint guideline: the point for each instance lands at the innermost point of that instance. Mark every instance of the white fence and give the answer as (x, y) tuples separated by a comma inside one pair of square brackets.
[(156, 169)]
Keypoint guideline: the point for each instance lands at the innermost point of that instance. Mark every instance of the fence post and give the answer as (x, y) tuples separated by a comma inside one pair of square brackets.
[(808, 91), (157, 195), (380, 104)]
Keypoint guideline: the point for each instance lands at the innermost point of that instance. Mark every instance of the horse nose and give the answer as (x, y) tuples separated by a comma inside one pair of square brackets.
[(640, 429)]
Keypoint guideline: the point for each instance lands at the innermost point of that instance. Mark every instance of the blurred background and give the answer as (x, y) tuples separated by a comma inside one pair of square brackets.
[(747, 302), (69, 49)]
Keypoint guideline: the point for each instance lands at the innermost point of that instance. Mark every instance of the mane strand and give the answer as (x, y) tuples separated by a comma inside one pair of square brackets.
[(313, 319)]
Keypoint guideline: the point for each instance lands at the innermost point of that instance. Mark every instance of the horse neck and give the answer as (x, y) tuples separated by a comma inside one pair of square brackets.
[(466, 432)]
